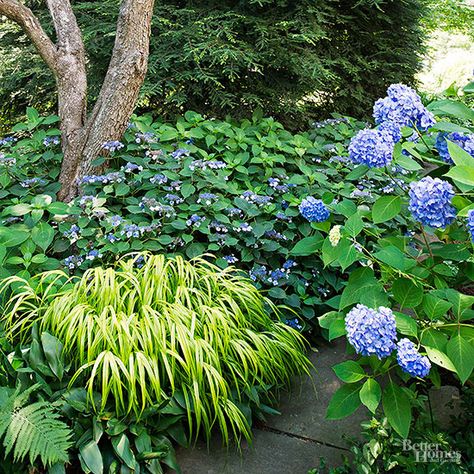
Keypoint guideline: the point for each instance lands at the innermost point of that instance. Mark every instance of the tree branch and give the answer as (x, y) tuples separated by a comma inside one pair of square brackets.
[(24, 17)]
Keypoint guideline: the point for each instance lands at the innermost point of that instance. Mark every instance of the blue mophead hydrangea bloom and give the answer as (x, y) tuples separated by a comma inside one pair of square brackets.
[(393, 129), (314, 210), (410, 360), (465, 141), (403, 106), (470, 223), (373, 148), (371, 332), (430, 202)]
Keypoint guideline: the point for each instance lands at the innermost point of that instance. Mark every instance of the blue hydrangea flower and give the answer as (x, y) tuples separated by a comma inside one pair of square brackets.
[(116, 220), (113, 145), (430, 202), (73, 261), (470, 223), (314, 210), (158, 179), (28, 183), (180, 152), (48, 141), (393, 129), (231, 259), (465, 141), (410, 360), (403, 106), (373, 148), (371, 332)]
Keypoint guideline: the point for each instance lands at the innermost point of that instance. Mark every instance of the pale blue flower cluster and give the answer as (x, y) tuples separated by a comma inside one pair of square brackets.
[(113, 145), (403, 106), (158, 179), (50, 141), (465, 141), (314, 210), (231, 259), (109, 178), (410, 360), (254, 198), (29, 183), (430, 202), (373, 148), (371, 332), (392, 129), (470, 223)]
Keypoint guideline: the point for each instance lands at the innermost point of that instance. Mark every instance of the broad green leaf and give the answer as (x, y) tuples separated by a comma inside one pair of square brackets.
[(405, 324), (370, 394), (354, 225), (11, 237), (407, 293), (337, 329), (463, 174), (42, 235), (449, 127), (434, 338), (385, 208), (460, 156), (344, 402), (453, 108), (92, 458), (308, 245), (17, 210), (440, 358), (121, 446), (397, 409), (52, 349), (394, 257), (461, 353), (363, 288), (435, 307), (349, 371)]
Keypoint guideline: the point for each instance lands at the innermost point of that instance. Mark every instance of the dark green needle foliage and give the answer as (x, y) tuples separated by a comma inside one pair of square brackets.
[(293, 58)]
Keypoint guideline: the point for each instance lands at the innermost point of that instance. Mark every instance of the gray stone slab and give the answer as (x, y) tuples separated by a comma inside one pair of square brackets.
[(445, 404), (303, 409), (269, 453), (293, 442)]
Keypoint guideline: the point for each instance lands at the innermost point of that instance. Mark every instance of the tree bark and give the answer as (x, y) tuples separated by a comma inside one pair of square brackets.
[(119, 92), (82, 136)]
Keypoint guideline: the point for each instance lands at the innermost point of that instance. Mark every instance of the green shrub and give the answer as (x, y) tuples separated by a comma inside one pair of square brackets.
[(293, 58), (155, 327)]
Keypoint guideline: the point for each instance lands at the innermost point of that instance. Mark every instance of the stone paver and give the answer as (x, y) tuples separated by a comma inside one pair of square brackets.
[(293, 442)]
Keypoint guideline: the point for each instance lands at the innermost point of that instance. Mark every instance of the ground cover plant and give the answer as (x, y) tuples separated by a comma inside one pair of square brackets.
[(157, 330)]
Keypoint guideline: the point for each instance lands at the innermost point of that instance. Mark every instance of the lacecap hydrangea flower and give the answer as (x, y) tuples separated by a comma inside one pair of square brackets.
[(430, 202), (403, 107), (371, 332), (314, 210), (410, 360), (470, 223), (373, 148), (466, 142)]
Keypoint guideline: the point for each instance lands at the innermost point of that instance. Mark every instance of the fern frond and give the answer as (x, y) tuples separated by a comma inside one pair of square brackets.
[(34, 431)]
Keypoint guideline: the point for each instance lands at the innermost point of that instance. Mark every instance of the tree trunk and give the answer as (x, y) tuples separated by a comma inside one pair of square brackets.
[(118, 95), (82, 137)]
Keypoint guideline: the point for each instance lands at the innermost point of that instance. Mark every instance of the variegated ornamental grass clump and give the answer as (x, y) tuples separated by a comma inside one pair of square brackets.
[(153, 327)]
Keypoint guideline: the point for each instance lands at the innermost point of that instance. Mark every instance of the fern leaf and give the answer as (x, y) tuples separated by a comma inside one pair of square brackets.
[(35, 431)]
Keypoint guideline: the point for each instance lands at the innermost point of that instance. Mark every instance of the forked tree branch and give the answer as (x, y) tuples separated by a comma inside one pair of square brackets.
[(25, 18)]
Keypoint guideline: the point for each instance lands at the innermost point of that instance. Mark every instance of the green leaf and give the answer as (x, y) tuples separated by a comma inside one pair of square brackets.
[(395, 258), (42, 235), (187, 189), (449, 127), (385, 208), (370, 394), (167, 135), (397, 409), (17, 210), (440, 358), (407, 293), (344, 402), (433, 338), (460, 156), (337, 329), (349, 371), (121, 446), (435, 307), (308, 245), (354, 225), (52, 349), (461, 353), (463, 174), (92, 458), (453, 108), (405, 324), (13, 237)]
